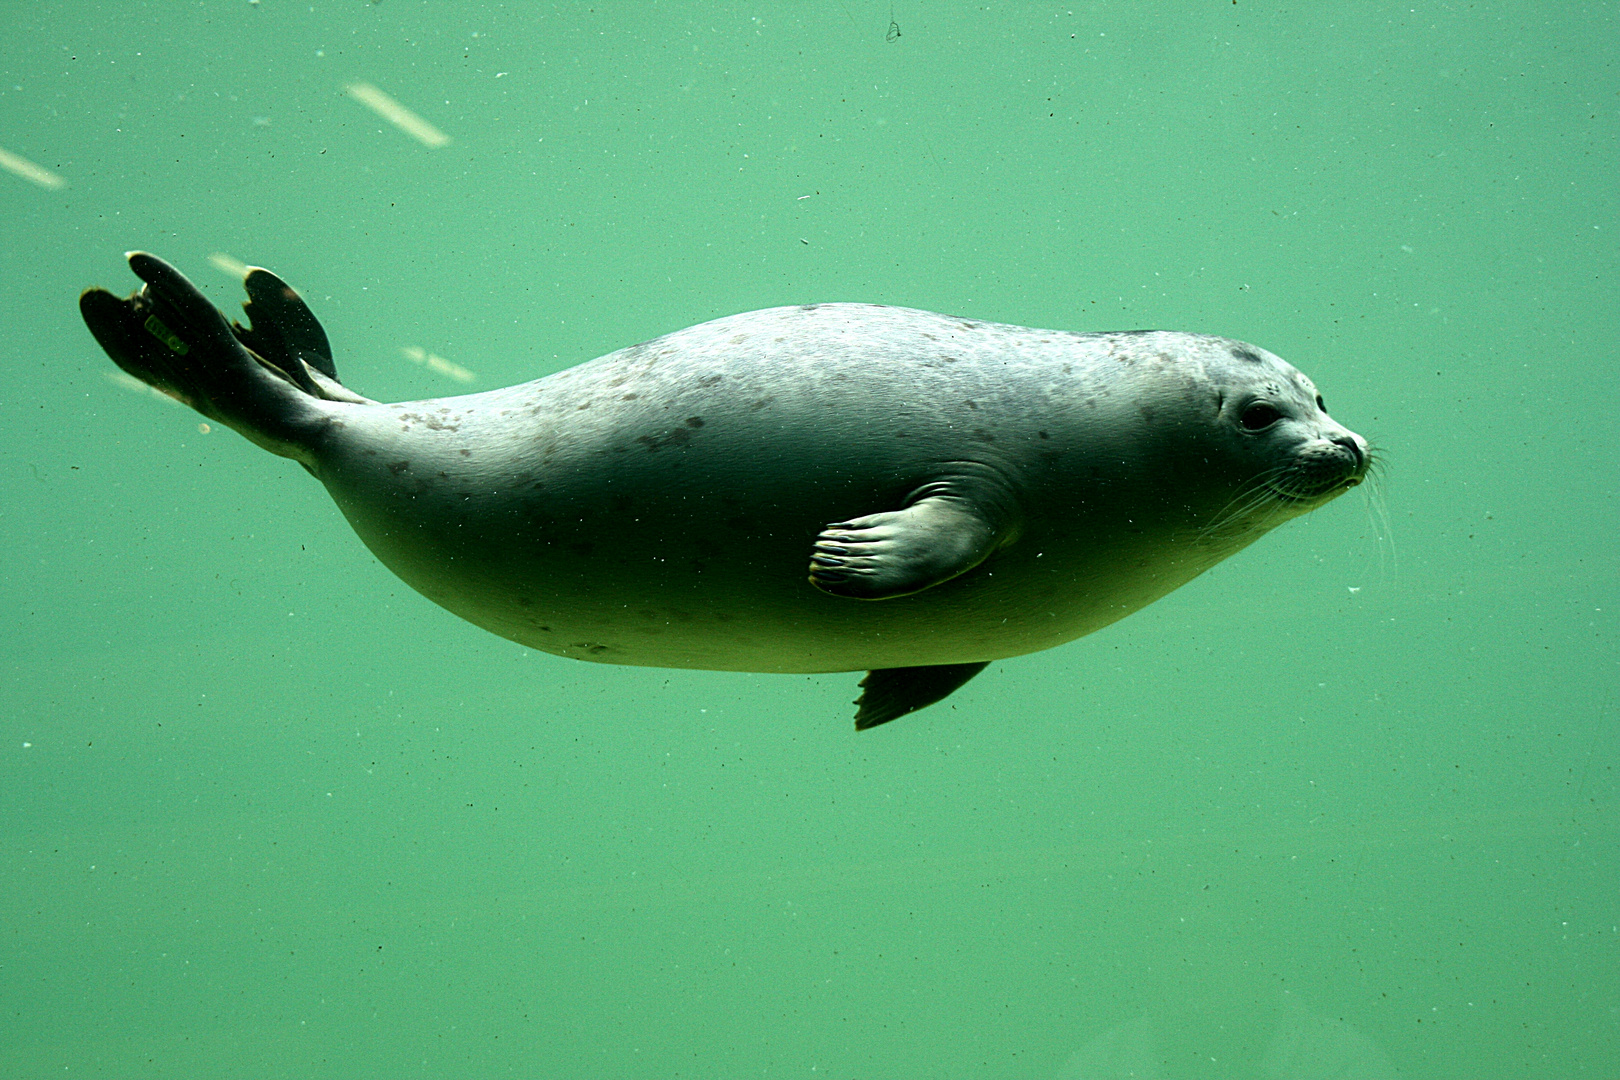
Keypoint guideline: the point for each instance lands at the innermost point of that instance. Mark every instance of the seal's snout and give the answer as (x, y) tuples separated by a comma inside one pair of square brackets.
[(1322, 468), (1357, 452)]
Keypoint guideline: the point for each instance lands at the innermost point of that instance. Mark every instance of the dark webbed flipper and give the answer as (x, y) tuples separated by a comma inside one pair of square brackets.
[(283, 325), (165, 334), (286, 333), (170, 336), (891, 692)]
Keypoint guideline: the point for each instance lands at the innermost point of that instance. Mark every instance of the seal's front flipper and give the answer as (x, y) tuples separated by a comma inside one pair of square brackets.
[(946, 529), (169, 336), (891, 692)]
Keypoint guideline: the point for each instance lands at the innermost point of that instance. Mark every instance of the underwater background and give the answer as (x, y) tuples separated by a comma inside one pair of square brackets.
[(1344, 807)]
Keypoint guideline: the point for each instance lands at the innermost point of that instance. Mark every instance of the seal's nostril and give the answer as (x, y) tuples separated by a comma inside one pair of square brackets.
[(1349, 443)]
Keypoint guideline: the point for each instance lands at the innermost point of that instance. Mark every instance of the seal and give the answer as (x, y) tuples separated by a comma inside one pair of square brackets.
[(831, 487)]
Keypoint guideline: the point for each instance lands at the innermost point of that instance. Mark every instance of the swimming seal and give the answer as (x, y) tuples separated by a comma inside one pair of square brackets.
[(832, 487)]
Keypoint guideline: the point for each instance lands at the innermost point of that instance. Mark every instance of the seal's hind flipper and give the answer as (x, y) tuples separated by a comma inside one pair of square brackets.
[(888, 693), (284, 331), (171, 337), (138, 341), (163, 333)]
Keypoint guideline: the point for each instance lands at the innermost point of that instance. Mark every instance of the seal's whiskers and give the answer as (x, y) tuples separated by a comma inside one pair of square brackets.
[(1378, 512), (1252, 497)]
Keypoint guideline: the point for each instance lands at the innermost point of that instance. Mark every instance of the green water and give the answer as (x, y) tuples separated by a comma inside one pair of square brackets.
[(1343, 808)]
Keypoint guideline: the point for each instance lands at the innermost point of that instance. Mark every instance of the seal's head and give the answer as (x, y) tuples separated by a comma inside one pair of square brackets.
[(1288, 454)]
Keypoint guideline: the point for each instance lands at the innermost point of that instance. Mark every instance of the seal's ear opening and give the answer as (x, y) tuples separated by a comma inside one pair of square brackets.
[(889, 693)]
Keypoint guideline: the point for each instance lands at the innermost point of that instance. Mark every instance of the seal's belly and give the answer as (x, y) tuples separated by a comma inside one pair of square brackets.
[(713, 574), (660, 607)]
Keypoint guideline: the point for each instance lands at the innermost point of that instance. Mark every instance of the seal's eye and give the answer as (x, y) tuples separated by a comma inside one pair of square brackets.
[(1320, 404), (1259, 416)]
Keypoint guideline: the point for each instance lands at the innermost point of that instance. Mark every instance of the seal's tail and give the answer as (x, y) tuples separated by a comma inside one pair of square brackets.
[(268, 381)]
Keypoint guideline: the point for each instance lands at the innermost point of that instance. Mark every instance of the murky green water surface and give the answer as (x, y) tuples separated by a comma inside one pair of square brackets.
[(1344, 807)]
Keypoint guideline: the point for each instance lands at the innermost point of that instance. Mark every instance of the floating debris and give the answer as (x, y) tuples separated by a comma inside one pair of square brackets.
[(222, 262), (34, 174), (437, 363), (397, 114), (131, 383)]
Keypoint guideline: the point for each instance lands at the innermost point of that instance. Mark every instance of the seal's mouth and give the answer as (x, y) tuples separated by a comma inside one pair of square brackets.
[(1295, 495), (1320, 473)]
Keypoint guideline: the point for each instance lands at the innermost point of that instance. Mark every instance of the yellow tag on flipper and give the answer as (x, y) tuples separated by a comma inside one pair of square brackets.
[(155, 327)]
